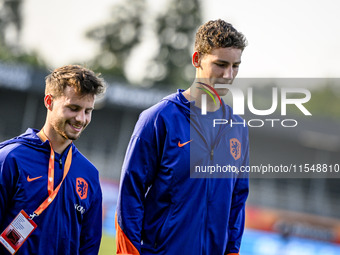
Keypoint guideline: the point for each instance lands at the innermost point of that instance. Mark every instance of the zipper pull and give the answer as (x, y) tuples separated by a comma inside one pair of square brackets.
[(211, 154), (61, 163)]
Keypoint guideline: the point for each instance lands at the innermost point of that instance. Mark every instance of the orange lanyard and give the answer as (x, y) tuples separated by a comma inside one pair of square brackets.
[(50, 183)]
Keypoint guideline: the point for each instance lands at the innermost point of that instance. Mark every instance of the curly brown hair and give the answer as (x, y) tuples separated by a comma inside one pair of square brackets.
[(83, 80), (218, 34)]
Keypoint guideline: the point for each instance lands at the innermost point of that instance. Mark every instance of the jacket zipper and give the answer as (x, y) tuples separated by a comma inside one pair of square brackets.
[(225, 130), (61, 163)]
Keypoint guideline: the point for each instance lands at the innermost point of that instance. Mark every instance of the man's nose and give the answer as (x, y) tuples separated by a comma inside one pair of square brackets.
[(228, 73), (80, 117)]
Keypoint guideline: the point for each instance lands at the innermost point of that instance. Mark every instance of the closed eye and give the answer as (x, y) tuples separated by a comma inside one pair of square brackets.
[(73, 108), (220, 64)]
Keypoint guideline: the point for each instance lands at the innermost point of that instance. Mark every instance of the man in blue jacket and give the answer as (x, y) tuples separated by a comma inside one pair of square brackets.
[(46, 182), (168, 202)]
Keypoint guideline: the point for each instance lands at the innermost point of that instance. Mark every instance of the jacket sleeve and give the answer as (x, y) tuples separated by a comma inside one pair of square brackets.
[(138, 171), (8, 177), (91, 231), (237, 212)]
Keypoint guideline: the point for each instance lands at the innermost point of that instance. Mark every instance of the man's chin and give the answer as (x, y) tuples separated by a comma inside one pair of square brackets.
[(73, 137), (222, 91)]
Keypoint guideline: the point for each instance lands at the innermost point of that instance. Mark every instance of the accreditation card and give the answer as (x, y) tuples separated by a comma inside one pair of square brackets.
[(17, 232)]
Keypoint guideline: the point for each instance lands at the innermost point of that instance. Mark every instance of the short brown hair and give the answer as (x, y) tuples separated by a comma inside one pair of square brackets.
[(218, 34), (83, 80)]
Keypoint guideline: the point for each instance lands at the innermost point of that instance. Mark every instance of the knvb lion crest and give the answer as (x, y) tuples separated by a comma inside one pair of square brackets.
[(235, 148), (82, 188)]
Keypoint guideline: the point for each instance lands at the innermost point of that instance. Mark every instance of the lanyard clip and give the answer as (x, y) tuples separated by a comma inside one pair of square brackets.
[(33, 215)]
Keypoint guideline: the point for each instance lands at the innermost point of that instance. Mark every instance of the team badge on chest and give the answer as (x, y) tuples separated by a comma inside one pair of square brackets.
[(82, 188), (235, 148)]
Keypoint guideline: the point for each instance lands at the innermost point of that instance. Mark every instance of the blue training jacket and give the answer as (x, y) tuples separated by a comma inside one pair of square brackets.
[(161, 209), (72, 224)]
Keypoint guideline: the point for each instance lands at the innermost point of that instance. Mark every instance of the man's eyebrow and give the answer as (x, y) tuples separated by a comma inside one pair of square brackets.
[(78, 106), (227, 62)]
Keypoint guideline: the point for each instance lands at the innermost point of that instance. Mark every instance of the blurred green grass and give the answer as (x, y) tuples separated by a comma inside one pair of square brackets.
[(108, 245)]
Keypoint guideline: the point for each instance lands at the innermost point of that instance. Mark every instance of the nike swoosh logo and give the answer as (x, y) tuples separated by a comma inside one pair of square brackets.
[(182, 144), (32, 179)]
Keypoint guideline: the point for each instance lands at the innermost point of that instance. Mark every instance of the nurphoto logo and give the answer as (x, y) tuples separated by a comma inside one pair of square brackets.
[(239, 105)]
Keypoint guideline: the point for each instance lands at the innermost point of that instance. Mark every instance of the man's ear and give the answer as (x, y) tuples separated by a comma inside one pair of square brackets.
[(196, 59), (48, 101)]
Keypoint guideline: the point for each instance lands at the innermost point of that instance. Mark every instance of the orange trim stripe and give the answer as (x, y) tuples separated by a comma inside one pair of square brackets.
[(233, 254), (124, 245)]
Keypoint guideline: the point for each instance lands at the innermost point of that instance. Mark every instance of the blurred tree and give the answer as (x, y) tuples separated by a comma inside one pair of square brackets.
[(325, 101), (10, 18), (10, 24), (176, 31), (118, 37), (10, 28), (132, 23)]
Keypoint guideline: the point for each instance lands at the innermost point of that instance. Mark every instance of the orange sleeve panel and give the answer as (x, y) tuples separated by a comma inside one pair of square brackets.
[(124, 245), (233, 254)]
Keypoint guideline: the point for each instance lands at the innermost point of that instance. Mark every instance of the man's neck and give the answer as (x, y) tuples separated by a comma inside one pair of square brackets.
[(59, 143), (194, 94)]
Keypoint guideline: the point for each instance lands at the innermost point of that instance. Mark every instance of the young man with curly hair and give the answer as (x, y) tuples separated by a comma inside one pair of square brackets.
[(165, 206), (45, 181)]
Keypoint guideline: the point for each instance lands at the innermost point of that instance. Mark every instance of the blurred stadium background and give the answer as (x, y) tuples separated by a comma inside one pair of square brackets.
[(285, 215)]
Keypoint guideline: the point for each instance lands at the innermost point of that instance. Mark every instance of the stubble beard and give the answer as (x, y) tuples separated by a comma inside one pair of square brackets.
[(60, 128)]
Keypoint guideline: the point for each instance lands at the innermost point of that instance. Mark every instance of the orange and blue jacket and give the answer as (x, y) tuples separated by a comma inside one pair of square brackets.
[(166, 204)]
